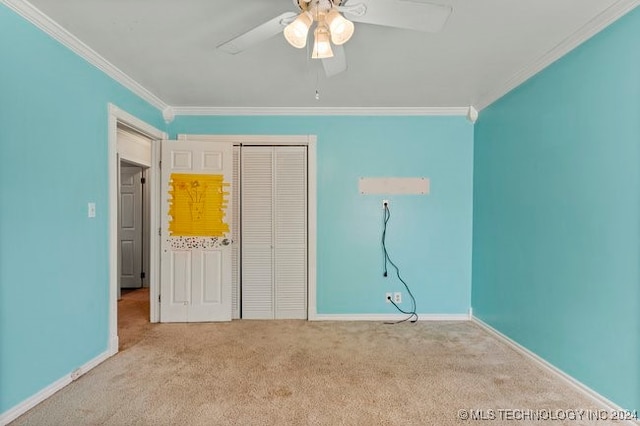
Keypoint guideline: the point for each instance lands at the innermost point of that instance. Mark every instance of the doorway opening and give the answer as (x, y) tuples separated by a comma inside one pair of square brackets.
[(133, 250), (133, 150)]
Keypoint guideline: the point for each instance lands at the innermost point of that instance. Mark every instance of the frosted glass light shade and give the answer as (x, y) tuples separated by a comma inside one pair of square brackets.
[(341, 28), (296, 32), (322, 44)]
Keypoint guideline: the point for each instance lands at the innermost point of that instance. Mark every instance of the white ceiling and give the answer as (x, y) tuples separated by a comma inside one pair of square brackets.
[(485, 48)]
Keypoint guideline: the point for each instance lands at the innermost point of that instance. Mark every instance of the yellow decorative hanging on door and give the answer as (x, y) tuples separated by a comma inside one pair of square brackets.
[(198, 205)]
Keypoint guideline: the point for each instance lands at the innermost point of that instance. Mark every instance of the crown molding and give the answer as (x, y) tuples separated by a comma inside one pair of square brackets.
[(462, 111), (52, 28), (591, 28)]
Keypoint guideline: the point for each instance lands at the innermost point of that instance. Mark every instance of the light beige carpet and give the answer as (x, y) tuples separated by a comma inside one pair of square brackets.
[(308, 373)]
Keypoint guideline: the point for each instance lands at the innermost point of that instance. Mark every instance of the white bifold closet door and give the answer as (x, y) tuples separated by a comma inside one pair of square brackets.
[(274, 232), (235, 235)]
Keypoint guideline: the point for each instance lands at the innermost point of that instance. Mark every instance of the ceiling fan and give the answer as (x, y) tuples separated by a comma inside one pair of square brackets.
[(334, 25)]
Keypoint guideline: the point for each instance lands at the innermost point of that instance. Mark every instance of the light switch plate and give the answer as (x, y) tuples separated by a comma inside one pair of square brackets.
[(91, 210)]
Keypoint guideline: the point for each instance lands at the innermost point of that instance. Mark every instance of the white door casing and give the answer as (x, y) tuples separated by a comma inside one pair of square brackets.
[(195, 269), (130, 232), (116, 118)]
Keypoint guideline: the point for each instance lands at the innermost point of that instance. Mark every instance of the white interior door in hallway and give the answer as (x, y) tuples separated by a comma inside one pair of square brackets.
[(131, 226), (133, 208), (196, 203)]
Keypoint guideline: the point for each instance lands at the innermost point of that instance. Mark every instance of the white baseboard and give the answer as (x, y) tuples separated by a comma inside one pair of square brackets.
[(387, 317), (600, 400), (18, 410), (114, 344)]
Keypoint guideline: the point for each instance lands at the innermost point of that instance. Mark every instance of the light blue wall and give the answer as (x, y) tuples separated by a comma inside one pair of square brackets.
[(53, 259), (556, 250), (429, 237)]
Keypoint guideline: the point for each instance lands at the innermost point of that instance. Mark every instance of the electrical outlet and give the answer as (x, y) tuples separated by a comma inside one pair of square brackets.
[(385, 204), (397, 298), (75, 374), (388, 297)]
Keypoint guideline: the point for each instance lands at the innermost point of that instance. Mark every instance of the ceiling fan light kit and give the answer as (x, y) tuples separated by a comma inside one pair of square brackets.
[(331, 27), (334, 24)]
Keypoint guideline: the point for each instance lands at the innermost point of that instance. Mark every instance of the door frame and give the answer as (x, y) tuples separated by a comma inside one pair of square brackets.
[(310, 141), (115, 116)]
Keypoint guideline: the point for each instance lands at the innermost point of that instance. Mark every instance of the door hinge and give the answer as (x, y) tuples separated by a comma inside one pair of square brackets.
[(142, 275), (159, 299), (143, 181), (160, 232), (160, 164)]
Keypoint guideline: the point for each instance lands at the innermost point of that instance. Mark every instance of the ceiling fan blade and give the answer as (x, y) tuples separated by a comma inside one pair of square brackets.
[(412, 15), (337, 64), (258, 34)]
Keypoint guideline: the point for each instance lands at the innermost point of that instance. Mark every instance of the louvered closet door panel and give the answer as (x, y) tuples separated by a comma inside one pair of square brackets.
[(235, 236), (257, 232), (290, 232)]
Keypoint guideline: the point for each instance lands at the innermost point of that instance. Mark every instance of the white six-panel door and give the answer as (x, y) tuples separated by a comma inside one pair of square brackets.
[(130, 232), (195, 269)]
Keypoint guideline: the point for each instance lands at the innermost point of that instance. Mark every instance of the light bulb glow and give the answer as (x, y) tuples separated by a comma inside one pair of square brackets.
[(322, 44), (341, 28), (296, 32)]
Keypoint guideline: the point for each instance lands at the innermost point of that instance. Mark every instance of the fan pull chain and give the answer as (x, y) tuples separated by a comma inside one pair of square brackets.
[(315, 43)]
